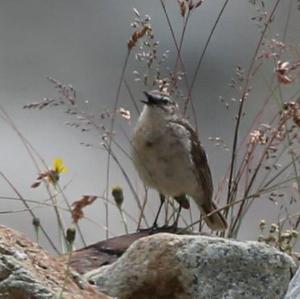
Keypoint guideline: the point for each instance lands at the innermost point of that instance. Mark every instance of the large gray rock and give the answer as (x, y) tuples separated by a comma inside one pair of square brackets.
[(171, 266), (294, 287)]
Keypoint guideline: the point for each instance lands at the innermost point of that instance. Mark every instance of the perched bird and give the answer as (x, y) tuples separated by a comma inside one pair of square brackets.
[(169, 157)]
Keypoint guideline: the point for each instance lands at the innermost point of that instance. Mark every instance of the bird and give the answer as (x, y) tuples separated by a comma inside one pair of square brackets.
[(169, 157)]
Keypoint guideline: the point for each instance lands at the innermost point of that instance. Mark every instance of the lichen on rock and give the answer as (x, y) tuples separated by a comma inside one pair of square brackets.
[(166, 266)]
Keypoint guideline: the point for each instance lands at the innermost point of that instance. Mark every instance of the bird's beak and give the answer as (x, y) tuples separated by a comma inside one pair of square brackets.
[(151, 99)]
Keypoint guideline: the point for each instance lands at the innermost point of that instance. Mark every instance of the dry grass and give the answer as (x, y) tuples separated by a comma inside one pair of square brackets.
[(264, 163)]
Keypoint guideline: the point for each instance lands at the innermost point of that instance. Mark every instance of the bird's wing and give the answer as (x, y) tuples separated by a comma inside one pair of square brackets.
[(199, 157)]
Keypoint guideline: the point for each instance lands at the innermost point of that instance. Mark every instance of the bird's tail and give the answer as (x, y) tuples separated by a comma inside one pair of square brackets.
[(216, 220)]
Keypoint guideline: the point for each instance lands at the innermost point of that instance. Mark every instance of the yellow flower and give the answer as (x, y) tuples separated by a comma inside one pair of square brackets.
[(59, 166), (52, 174)]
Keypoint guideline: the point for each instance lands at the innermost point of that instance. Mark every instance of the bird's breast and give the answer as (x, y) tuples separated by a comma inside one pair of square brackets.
[(162, 158)]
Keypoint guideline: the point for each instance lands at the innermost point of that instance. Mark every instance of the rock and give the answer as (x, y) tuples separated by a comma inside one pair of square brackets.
[(167, 266), (294, 287), (108, 251), (28, 272)]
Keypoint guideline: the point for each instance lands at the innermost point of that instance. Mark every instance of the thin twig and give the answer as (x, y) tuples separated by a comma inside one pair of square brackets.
[(178, 56), (205, 47), (29, 210), (130, 186), (70, 210), (182, 64), (242, 101), (111, 137), (131, 97)]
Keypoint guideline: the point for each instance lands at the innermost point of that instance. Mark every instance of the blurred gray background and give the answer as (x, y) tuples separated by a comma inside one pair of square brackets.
[(84, 43)]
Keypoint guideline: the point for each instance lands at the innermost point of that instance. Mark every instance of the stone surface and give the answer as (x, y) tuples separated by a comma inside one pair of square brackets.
[(28, 272), (168, 266), (108, 251), (294, 287)]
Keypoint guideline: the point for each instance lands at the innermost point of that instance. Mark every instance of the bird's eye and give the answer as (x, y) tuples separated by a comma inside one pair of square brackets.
[(165, 101)]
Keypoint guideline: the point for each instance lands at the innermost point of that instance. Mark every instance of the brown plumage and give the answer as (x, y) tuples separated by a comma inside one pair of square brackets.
[(216, 221)]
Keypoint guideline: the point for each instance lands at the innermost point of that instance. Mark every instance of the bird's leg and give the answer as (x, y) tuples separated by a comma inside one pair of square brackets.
[(175, 224), (183, 203), (162, 201)]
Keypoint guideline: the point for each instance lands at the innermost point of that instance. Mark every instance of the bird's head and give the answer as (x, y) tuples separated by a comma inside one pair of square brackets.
[(160, 104)]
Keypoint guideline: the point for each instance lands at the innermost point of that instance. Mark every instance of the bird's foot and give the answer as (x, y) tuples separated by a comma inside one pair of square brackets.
[(150, 230)]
